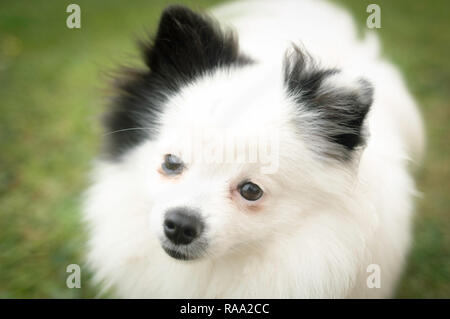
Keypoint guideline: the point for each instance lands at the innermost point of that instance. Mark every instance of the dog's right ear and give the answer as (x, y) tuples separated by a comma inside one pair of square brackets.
[(187, 44), (332, 105)]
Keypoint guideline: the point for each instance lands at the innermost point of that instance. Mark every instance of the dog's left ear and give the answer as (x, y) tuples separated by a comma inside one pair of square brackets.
[(331, 106), (187, 44)]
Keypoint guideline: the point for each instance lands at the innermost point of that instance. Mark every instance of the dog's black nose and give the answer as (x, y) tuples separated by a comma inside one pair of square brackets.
[(182, 226)]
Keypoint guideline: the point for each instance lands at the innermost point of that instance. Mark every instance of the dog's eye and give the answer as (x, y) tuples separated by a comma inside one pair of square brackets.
[(172, 165), (250, 191)]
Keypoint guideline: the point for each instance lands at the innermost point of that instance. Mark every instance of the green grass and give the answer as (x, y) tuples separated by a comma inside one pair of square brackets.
[(50, 98)]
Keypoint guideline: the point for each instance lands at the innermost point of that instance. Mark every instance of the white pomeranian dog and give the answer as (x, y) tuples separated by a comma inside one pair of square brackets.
[(267, 156)]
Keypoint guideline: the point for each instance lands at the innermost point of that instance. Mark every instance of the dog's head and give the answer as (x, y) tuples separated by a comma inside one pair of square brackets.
[(234, 152)]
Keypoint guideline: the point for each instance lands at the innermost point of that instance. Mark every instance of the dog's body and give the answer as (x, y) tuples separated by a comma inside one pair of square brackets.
[(338, 200)]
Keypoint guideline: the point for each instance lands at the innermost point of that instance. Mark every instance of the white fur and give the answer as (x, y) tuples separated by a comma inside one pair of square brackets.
[(321, 222)]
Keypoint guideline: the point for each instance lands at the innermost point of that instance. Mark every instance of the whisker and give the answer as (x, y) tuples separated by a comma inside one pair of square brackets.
[(128, 129)]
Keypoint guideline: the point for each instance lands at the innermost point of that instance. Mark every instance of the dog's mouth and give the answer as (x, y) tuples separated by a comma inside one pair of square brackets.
[(185, 252), (178, 254)]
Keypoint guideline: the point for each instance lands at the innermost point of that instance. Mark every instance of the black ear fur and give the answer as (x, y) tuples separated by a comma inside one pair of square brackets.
[(340, 111), (185, 47), (188, 44)]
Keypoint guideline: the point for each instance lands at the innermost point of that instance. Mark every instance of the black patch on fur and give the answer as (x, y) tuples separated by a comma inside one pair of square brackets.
[(187, 45), (340, 111)]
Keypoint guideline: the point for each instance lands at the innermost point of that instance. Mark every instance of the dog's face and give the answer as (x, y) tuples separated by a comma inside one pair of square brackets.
[(236, 152), (217, 183)]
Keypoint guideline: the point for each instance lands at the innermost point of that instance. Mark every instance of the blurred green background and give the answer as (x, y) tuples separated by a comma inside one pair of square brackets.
[(52, 92)]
